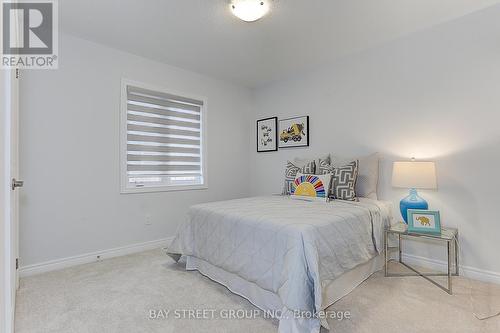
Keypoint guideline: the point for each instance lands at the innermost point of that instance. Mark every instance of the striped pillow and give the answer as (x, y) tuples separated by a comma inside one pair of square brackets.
[(291, 171)]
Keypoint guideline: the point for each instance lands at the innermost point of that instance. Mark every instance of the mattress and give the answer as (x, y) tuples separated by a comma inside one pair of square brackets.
[(291, 249)]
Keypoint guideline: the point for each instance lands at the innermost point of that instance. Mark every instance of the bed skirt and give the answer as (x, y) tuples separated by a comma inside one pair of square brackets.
[(268, 301)]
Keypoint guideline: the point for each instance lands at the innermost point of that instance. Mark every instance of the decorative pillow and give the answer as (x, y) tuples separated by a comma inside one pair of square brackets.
[(367, 182), (311, 187), (300, 162), (291, 172), (343, 179)]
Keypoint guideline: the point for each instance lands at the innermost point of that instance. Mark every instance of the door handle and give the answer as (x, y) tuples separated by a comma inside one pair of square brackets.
[(17, 183)]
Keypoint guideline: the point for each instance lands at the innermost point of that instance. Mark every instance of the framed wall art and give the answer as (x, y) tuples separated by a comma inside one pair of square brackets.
[(267, 134), (294, 132)]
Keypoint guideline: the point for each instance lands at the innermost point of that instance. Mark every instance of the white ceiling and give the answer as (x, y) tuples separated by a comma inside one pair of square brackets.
[(203, 36)]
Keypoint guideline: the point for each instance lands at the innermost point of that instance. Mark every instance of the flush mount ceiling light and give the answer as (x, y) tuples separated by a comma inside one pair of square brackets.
[(250, 10)]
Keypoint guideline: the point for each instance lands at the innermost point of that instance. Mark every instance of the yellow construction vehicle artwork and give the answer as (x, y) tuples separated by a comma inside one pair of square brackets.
[(294, 132)]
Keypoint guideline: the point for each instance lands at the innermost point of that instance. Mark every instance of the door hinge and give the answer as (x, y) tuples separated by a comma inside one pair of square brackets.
[(17, 263)]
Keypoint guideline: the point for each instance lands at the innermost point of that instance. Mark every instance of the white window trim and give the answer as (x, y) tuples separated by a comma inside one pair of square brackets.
[(124, 188)]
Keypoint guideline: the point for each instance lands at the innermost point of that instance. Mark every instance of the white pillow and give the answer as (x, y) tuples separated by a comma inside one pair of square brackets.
[(311, 187), (301, 162), (367, 182)]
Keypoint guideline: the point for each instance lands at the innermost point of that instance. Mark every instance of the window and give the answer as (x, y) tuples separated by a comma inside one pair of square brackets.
[(162, 140)]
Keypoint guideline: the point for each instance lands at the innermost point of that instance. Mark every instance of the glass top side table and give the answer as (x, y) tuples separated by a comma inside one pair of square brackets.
[(449, 236)]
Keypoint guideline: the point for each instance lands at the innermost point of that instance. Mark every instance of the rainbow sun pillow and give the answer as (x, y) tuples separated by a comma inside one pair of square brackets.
[(311, 187)]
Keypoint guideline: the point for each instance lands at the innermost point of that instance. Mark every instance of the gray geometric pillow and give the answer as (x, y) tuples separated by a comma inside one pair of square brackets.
[(343, 179), (291, 172)]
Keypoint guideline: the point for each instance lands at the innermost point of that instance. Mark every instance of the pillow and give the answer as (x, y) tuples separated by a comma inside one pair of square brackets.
[(311, 187), (291, 172), (300, 162), (366, 185), (343, 179)]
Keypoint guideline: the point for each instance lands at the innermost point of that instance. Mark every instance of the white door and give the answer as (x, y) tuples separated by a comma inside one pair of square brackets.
[(9, 198), (16, 183), (10, 194)]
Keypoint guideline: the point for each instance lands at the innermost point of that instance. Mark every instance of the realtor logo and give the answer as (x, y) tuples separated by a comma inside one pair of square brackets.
[(29, 34)]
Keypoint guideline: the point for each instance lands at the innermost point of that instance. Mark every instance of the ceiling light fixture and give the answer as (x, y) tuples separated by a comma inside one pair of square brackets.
[(250, 10)]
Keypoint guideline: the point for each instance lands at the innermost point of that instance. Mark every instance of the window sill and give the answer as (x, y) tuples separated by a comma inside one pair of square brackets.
[(153, 189)]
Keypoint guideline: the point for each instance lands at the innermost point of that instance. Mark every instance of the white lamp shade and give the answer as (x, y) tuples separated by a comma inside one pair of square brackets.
[(414, 175)]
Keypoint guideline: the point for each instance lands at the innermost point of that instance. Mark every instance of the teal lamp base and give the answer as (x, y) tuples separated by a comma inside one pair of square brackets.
[(412, 201)]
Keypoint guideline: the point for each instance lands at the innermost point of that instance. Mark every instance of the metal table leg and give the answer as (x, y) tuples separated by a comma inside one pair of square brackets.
[(385, 251), (449, 273), (399, 248), (449, 266), (457, 269)]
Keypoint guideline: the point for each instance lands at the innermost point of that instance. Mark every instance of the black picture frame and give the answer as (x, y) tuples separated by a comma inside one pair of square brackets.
[(301, 143), (274, 122)]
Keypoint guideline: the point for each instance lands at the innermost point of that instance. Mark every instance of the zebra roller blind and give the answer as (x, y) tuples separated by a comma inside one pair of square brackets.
[(164, 139)]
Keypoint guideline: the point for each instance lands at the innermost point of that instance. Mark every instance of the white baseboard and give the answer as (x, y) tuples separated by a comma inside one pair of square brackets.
[(53, 265), (58, 264), (439, 265)]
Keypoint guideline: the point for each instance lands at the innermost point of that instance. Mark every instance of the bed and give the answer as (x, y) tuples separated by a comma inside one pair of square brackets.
[(291, 257)]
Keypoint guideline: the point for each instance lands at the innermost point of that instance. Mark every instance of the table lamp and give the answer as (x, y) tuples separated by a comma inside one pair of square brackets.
[(413, 175)]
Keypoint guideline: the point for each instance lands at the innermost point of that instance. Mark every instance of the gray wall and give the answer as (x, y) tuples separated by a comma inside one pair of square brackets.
[(71, 203), (433, 95)]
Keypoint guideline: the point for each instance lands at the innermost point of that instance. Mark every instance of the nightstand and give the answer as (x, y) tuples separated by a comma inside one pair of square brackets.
[(448, 237)]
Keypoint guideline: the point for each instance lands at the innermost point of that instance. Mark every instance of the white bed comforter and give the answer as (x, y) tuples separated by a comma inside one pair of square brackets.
[(289, 247)]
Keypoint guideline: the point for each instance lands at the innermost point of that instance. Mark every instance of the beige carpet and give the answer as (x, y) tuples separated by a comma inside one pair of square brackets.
[(116, 295)]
